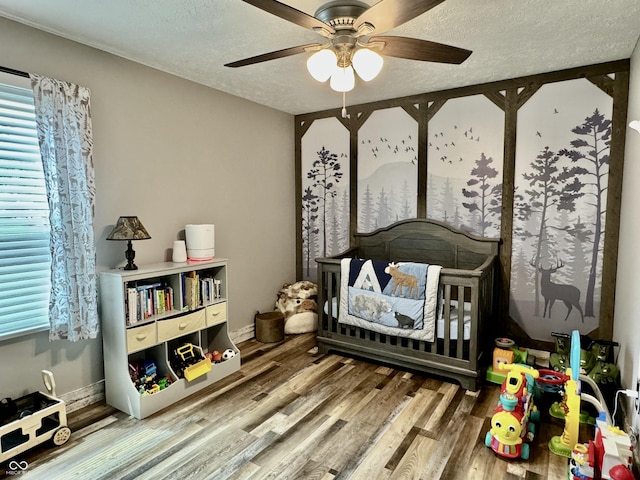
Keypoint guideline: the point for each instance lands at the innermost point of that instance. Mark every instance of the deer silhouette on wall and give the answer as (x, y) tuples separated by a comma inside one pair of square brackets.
[(401, 280), (568, 294)]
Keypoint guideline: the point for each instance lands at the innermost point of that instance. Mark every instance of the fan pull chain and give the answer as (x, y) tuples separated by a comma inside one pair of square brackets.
[(344, 105)]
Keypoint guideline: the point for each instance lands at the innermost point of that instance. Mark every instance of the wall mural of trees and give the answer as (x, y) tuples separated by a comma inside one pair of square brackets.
[(325, 192), (527, 160), (562, 169), (387, 169), (465, 154)]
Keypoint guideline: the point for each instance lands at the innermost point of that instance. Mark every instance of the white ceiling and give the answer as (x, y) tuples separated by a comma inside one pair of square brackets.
[(195, 38)]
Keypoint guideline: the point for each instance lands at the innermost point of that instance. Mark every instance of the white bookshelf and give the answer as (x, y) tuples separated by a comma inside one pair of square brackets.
[(127, 340)]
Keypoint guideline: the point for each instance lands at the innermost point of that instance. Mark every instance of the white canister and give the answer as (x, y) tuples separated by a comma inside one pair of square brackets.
[(179, 252), (200, 241)]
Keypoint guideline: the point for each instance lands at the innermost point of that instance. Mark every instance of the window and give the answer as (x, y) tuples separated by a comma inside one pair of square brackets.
[(25, 262)]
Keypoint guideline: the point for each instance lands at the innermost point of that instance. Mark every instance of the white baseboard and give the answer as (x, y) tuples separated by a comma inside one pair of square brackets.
[(94, 393), (245, 333), (84, 396)]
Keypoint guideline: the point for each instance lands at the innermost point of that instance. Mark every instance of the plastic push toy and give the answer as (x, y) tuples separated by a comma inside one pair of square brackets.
[(563, 444), (31, 420), (512, 422)]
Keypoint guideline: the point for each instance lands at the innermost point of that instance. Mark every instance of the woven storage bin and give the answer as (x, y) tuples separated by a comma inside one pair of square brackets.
[(270, 327)]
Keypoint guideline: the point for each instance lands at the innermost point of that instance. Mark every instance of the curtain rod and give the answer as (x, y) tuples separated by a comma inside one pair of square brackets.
[(14, 72)]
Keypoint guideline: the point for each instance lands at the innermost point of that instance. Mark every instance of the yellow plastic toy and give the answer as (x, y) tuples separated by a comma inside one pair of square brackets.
[(563, 444)]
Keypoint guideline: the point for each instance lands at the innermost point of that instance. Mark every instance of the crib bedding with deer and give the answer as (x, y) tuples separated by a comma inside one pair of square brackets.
[(463, 289), (396, 299)]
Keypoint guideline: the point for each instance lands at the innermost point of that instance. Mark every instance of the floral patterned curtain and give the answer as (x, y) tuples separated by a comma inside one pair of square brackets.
[(66, 146)]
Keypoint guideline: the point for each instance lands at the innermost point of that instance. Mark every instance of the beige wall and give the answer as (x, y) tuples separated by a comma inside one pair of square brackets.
[(172, 152), (626, 324)]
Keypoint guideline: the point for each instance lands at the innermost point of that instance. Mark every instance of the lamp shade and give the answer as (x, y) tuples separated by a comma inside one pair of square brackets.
[(343, 79), (129, 228), (367, 64), (322, 64)]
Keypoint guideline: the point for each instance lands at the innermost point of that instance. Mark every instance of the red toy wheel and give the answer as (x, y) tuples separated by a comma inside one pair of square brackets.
[(551, 377)]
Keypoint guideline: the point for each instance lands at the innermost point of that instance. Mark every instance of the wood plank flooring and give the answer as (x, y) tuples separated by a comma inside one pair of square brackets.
[(290, 413)]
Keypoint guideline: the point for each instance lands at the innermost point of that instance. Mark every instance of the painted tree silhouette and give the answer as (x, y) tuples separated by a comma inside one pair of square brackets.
[(448, 202), (325, 173), (309, 227), (548, 191), (406, 210), (590, 153), (334, 228), (578, 250), (344, 221), (367, 211), (384, 210), (481, 191)]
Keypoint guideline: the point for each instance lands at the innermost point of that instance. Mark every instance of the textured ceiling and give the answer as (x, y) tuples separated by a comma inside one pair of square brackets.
[(195, 38)]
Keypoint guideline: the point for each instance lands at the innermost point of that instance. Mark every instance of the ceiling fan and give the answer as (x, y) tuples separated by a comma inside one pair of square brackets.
[(350, 28)]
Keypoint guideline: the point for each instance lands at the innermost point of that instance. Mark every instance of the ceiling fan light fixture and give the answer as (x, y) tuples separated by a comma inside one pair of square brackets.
[(322, 64), (343, 79), (367, 64)]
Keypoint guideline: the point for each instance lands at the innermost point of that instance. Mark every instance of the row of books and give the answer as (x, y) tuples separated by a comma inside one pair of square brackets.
[(199, 290), (147, 300), (144, 301)]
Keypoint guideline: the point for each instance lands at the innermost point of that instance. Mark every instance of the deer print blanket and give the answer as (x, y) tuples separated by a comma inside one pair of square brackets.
[(396, 299)]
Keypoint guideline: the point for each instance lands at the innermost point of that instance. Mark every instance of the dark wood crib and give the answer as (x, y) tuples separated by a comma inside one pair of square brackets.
[(469, 273)]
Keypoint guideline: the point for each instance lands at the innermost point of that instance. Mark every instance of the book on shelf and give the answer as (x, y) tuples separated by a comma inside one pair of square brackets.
[(218, 288), (191, 292), (145, 301), (132, 305)]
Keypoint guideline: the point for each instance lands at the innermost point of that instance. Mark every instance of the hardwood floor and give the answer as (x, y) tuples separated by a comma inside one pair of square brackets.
[(292, 414)]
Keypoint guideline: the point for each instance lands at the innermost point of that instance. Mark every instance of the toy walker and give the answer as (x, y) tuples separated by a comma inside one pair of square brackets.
[(608, 456), (31, 420)]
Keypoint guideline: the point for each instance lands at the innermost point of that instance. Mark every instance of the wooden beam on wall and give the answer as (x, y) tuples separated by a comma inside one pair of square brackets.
[(620, 95)]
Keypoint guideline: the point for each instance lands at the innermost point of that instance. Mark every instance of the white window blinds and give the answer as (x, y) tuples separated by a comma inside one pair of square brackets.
[(25, 262)]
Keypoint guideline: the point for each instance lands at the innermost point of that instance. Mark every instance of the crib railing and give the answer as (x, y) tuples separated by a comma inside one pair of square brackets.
[(453, 353)]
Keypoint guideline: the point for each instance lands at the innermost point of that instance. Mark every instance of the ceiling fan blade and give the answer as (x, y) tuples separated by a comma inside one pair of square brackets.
[(423, 50), (293, 15), (275, 55), (388, 14)]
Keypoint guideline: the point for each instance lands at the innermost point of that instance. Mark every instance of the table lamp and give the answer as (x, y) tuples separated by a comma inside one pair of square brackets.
[(129, 228)]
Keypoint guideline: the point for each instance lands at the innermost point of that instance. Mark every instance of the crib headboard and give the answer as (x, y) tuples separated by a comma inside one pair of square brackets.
[(425, 241)]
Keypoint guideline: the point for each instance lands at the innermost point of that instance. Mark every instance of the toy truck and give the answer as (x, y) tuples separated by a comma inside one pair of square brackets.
[(31, 420)]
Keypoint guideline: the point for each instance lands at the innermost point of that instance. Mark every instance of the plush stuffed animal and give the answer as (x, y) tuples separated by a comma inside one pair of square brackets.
[(297, 302)]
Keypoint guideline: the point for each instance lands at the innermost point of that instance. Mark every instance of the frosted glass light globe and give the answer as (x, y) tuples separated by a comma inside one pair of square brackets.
[(367, 64), (343, 79), (322, 64)]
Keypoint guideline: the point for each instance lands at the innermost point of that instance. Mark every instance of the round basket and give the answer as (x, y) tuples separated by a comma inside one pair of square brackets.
[(270, 327)]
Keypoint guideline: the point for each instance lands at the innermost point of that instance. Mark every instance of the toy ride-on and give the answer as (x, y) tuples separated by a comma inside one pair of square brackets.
[(31, 420), (512, 421)]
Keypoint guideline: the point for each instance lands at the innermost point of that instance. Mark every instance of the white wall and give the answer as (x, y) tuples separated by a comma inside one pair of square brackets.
[(171, 152), (626, 325)]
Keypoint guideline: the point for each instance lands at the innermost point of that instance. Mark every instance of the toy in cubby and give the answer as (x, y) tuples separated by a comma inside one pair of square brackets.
[(217, 356), (144, 376), (189, 362), (512, 423)]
